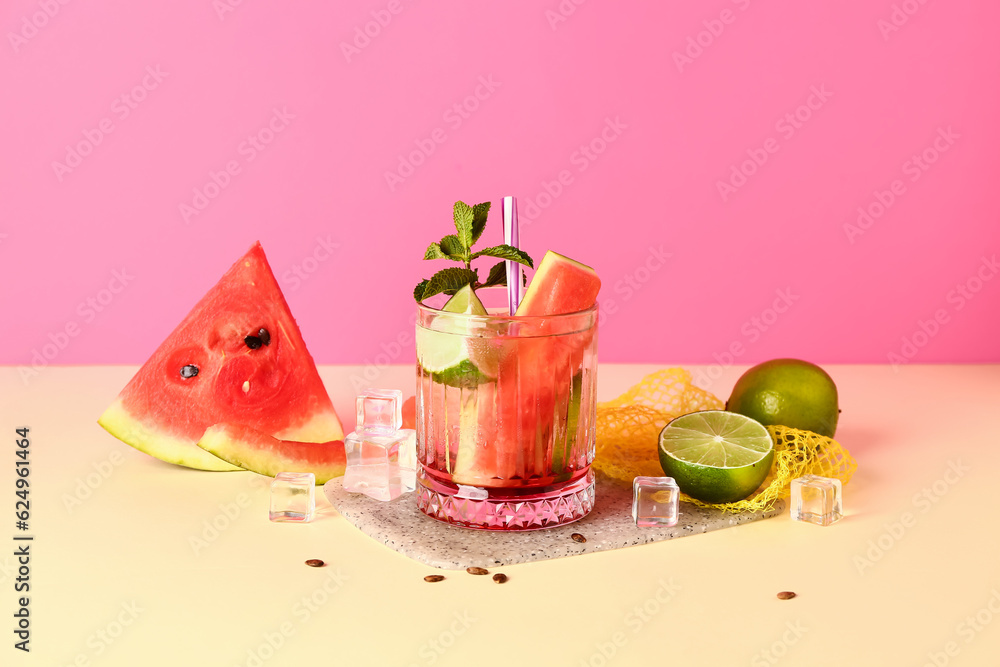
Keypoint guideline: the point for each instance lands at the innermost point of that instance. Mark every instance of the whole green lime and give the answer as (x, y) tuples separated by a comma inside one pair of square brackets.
[(789, 392)]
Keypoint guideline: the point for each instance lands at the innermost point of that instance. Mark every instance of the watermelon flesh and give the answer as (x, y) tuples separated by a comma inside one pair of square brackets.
[(410, 413), (237, 357), (560, 285), (258, 452), (533, 430)]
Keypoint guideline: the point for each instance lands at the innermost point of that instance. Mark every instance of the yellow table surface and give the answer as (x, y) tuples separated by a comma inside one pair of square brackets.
[(136, 562)]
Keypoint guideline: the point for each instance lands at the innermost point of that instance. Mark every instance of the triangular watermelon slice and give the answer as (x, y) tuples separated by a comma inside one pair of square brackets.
[(237, 357)]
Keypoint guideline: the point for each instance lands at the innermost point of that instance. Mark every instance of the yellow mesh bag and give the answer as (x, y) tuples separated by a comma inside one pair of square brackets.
[(628, 434)]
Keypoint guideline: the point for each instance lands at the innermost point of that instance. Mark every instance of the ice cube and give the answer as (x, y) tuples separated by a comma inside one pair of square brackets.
[(654, 501), (380, 411), (816, 500), (407, 458), (293, 497), (382, 467)]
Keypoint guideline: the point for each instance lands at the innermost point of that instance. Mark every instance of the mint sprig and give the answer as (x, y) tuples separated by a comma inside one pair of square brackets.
[(470, 222)]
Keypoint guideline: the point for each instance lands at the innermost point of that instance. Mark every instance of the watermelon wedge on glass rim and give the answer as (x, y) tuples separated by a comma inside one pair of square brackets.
[(237, 357), (553, 362)]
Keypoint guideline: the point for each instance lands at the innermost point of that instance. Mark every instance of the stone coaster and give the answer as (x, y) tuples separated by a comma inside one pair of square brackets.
[(401, 526)]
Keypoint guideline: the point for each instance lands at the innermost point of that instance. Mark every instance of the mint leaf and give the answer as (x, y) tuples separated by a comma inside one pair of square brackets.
[(498, 275), (434, 252), (505, 252), (453, 248), (448, 281), (479, 213), (470, 223), (463, 223)]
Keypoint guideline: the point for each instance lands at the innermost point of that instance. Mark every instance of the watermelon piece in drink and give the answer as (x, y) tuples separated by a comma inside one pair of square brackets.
[(542, 423), (561, 285), (519, 424)]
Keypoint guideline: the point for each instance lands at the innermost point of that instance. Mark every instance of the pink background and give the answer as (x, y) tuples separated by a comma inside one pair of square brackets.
[(691, 274)]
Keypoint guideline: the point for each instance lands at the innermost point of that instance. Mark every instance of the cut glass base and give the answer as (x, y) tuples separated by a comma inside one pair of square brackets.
[(502, 511)]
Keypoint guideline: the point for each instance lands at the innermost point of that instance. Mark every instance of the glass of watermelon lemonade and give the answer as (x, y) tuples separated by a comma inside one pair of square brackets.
[(505, 415)]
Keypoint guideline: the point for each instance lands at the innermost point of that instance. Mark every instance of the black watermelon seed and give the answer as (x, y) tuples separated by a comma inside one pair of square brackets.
[(189, 371), (264, 335), (253, 342)]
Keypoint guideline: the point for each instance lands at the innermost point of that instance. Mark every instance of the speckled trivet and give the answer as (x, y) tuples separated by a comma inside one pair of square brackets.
[(401, 526)]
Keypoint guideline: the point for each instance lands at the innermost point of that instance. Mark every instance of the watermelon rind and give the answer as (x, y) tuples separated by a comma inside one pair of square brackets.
[(258, 452), (117, 421)]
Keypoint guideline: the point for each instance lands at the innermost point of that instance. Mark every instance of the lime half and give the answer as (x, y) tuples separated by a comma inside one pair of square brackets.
[(716, 456), (446, 355)]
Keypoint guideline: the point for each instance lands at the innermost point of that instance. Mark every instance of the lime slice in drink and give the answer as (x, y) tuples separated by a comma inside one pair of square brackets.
[(716, 456), (446, 355)]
